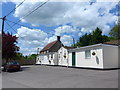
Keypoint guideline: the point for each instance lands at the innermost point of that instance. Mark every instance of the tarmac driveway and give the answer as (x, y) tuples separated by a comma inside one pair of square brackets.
[(37, 76)]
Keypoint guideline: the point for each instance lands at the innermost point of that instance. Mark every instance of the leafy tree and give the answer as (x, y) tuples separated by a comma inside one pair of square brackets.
[(115, 32), (105, 38), (93, 38), (19, 56), (84, 40), (9, 48), (96, 36), (32, 57)]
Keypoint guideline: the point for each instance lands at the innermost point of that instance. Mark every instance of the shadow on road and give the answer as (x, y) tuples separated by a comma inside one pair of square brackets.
[(25, 68)]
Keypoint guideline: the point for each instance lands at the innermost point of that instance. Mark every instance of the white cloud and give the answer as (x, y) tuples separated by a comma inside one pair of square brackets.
[(31, 39), (53, 38), (33, 1), (65, 29), (19, 1), (67, 40), (80, 34), (90, 18), (79, 14)]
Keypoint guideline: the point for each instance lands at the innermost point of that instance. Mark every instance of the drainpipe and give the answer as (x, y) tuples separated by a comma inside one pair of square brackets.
[(37, 54), (68, 60)]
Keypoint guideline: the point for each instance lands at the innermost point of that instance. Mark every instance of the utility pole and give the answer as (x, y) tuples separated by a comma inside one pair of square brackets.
[(37, 51), (3, 20), (73, 41)]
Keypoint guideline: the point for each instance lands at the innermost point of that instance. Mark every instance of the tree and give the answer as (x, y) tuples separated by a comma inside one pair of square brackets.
[(19, 56), (115, 32), (96, 36), (32, 57), (93, 38), (9, 48), (105, 38), (85, 40)]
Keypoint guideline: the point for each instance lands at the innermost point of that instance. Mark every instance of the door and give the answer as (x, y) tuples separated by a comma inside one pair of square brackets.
[(73, 58)]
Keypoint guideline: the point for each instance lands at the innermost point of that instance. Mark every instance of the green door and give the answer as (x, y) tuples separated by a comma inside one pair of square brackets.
[(73, 58)]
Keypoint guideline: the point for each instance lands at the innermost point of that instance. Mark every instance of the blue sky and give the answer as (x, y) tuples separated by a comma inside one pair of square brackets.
[(66, 19), (7, 7)]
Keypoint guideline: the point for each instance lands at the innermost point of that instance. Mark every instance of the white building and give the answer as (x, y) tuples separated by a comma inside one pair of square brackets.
[(102, 56), (63, 56), (47, 59), (48, 55)]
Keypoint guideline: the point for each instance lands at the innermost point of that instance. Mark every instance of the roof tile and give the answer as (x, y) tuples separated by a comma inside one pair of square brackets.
[(113, 42), (48, 46)]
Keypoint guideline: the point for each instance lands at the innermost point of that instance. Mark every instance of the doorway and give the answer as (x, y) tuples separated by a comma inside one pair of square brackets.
[(73, 58)]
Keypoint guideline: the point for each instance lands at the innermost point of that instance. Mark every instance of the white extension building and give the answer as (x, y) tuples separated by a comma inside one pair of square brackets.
[(101, 56)]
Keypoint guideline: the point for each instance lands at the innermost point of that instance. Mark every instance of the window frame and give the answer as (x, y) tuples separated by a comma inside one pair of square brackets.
[(86, 54)]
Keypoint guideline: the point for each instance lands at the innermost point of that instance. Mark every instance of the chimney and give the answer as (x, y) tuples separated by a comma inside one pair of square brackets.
[(58, 38)]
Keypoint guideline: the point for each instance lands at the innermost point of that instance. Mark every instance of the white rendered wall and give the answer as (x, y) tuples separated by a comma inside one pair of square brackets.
[(42, 59), (110, 54), (63, 61), (38, 60), (47, 59), (55, 58), (51, 59), (95, 61), (70, 59)]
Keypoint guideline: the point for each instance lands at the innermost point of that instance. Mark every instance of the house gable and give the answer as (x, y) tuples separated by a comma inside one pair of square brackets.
[(56, 47), (52, 47), (48, 46)]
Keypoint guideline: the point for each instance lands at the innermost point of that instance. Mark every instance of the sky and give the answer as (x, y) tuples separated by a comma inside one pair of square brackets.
[(66, 19)]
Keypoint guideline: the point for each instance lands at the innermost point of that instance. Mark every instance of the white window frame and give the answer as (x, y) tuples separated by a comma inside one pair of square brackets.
[(86, 54)]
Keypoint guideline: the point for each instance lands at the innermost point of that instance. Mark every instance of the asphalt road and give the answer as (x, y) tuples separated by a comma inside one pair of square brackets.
[(59, 77)]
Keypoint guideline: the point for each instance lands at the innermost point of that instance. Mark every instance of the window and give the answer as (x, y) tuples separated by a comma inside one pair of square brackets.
[(51, 56), (48, 56), (87, 53), (44, 52), (13, 63), (64, 54), (59, 56)]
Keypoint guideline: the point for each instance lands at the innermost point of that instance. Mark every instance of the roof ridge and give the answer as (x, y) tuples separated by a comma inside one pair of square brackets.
[(113, 42), (48, 47), (52, 42)]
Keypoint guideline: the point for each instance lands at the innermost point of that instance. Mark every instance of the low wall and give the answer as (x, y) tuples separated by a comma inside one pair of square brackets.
[(23, 62)]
